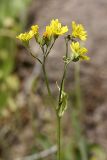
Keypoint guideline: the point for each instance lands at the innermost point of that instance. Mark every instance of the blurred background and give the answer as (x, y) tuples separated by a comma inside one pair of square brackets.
[(27, 121)]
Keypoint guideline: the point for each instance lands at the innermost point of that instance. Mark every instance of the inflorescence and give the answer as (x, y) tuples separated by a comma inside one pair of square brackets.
[(53, 31)]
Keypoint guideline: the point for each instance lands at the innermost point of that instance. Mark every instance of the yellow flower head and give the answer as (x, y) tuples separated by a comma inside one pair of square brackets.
[(25, 36), (78, 31), (48, 33), (28, 35), (78, 52), (34, 29), (57, 28)]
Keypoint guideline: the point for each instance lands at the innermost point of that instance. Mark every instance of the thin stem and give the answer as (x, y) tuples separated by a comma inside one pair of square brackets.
[(36, 58), (58, 117), (59, 137), (44, 70), (66, 41), (42, 48), (46, 78), (50, 48), (64, 73), (29, 50), (47, 82), (62, 83)]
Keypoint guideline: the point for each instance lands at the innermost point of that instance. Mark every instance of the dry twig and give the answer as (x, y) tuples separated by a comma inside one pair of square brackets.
[(40, 155)]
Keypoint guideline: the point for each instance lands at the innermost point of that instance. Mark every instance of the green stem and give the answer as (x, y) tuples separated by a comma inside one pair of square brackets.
[(62, 83), (59, 118), (66, 42), (47, 82), (47, 52), (59, 137), (29, 51), (46, 78), (57, 111)]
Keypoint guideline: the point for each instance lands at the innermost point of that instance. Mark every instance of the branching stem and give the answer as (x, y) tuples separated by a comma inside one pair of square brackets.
[(59, 101)]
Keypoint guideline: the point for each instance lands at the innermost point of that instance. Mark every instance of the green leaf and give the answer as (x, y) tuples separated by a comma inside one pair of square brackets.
[(63, 104), (67, 59)]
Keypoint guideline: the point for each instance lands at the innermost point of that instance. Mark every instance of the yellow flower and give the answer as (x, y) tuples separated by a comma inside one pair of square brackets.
[(34, 29), (28, 35), (48, 33), (78, 31), (57, 28), (78, 52), (25, 36)]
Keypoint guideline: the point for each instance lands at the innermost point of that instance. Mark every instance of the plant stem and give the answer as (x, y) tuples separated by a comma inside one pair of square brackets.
[(62, 83), (59, 118), (46, 79), (29, 51), (59, 137), (66, 42), (47, 52), (57, 111)]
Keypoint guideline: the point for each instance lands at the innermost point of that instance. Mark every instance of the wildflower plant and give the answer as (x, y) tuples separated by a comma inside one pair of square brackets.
[(46, 42)]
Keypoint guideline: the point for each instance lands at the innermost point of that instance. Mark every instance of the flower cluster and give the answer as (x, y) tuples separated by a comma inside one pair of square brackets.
[(78, 51), (28, 35), (53, 31), (78, 31), (57, 28)]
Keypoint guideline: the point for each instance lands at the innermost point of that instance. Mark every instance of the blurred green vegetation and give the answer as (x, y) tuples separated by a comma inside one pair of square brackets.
[(12, 21)]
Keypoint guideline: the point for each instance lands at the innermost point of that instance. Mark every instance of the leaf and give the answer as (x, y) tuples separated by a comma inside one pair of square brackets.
[(67, 59), (63, 104)]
